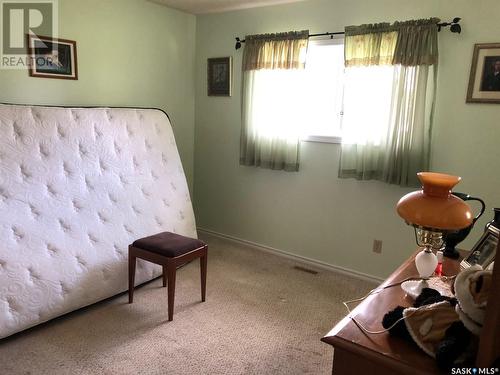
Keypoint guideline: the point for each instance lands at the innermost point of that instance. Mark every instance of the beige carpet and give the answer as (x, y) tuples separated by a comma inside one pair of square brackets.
[(262, 316)]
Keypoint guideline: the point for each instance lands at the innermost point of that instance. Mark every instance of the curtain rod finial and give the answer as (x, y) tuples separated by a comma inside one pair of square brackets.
[(456, 28)]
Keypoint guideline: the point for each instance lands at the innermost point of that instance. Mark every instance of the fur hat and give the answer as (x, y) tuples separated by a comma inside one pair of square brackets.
[(472, 287), (434, 325), (427, 324)]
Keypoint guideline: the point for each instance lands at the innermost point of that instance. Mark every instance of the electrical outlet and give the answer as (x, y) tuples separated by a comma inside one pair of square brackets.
[(377, 246)]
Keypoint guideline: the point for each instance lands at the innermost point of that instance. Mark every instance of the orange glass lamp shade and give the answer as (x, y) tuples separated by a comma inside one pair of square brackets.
[(434, 207)]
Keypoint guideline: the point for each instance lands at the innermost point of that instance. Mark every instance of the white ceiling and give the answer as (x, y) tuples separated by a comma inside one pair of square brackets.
[(213, 6)]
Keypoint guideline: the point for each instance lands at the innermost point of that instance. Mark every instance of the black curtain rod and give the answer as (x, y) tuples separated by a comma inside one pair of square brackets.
[(454, 28)]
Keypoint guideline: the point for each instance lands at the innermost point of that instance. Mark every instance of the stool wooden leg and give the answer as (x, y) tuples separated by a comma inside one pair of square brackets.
[(203, 274), (164, 276), (171, 289), (131, 276)]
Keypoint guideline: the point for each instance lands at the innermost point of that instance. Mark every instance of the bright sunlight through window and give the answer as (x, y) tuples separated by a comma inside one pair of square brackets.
[(292, 103), (322, 97), (367, 99), (324, 90)]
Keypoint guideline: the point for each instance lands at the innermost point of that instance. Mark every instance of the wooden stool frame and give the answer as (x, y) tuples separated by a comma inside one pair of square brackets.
[(169, 265)]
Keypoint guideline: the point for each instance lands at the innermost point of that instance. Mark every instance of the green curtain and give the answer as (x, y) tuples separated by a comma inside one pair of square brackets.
[(400, 147), (269, 133)]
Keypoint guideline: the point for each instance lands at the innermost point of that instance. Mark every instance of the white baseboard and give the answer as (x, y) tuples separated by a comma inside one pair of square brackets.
[(298, 258)]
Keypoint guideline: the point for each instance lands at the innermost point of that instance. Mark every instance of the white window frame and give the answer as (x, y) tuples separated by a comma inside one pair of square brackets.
[(334, 39)]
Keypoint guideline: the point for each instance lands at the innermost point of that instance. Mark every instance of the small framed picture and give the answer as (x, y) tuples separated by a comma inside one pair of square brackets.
[(484, 80), (219, 74), (52, 58), (483, 252)]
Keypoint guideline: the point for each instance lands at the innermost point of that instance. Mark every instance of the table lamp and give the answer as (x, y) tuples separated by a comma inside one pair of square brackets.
[(432, 211)]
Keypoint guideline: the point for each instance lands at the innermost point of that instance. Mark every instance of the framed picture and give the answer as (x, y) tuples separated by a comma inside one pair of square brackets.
[(52, 58), (484, 80), (219, 74), (483, 252)]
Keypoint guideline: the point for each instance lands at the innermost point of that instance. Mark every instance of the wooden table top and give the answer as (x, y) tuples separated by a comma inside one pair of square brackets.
[(394, 352)]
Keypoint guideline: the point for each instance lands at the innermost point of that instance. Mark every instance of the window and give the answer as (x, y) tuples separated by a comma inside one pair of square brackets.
[(313, 95), (335, 95), (313, 103), (324, 90)]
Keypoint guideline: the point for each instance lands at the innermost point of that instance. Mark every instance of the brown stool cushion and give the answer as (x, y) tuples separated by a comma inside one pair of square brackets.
[(168, 244)]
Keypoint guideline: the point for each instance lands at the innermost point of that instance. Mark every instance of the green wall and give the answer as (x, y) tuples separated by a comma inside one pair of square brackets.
[(130, 53), (312, 213)]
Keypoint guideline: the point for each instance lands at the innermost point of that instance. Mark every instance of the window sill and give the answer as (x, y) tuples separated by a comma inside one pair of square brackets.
[(322, 139)]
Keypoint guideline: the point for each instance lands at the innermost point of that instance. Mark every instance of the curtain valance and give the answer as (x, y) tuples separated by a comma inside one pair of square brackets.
[(275, 51), (408, 43), (417, 43)]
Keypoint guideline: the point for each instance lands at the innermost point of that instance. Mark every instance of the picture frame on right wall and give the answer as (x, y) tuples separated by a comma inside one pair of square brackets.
[(484, 79)]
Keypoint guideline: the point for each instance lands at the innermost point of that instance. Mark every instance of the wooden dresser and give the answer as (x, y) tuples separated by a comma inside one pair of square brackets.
[(359, 353)]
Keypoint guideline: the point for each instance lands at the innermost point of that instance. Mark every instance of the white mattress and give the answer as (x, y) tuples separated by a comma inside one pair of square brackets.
[(77, 186)]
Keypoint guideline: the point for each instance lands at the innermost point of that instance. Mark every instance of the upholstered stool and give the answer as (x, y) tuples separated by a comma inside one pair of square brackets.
[(169, 250)]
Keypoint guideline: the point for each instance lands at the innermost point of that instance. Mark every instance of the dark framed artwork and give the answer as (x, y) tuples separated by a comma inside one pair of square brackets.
[(52, 57), (219, 76), (484, 80), (483, 252)]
